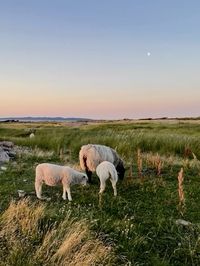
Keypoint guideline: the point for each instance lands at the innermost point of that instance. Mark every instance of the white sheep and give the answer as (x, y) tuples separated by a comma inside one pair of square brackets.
[(32, 135), (104, 171), (92, 155), (52, 175)]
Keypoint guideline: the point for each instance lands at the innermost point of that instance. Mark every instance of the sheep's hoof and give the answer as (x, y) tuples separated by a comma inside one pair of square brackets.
[(40, 198), (45, 198)]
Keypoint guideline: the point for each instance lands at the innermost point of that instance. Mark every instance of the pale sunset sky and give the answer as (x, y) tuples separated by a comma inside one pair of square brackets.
[(106, 59)]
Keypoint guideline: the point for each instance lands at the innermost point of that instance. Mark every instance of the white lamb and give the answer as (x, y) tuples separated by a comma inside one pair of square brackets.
[(92, 155), (104, 171), (52, 175)]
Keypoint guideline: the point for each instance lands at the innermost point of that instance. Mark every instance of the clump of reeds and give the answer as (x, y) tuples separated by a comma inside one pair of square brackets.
[(131, 171), (139, 164), (61, 154), (180, 188), (156, 162), (158, 165), (187, 152), (129, 176), (27, 237)]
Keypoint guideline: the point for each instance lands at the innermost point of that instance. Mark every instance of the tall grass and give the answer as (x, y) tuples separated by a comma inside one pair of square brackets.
[(126, 138), (27, 238)]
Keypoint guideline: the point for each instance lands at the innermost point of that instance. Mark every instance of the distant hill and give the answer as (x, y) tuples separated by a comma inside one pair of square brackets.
[(43, 119)]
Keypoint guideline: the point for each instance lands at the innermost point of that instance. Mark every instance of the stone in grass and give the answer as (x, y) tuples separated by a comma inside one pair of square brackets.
[(7, 144), (183, 222), (4, 157), (12, 154), (21, 193), (45, 198), (3, 168)]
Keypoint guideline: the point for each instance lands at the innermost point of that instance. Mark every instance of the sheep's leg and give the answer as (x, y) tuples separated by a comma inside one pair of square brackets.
[(102, 186), (64, 193), (89, 175), (67, 189), (69, 194), (88, 172), (114, 186), (38, 189)]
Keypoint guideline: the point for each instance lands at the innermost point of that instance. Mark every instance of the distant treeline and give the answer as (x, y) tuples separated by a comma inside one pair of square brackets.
[(172, 118)]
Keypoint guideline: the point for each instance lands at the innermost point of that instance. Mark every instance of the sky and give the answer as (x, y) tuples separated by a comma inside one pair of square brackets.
[(108, 59)]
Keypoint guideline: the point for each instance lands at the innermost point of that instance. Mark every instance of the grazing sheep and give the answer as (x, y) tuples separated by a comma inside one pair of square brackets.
[(104, 171), (92, 155), (32, 135), (52, 175)]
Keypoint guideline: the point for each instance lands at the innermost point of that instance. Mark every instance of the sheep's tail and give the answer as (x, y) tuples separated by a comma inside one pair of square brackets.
[(88, 172), (114, 175), (83, 159), (85, 163), (84, 166)]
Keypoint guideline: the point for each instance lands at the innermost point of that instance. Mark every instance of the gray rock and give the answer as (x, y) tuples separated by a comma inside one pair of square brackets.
[(4, 157), (6, 148), (7, 144), (12, 154)]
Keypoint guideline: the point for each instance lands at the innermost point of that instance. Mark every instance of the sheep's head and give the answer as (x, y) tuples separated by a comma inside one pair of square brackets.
[(84, 180), (120, 169)]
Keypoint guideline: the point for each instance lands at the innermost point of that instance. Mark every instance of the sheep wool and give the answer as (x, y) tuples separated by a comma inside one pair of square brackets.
[(91, 155), (52, 175), (106, 170)]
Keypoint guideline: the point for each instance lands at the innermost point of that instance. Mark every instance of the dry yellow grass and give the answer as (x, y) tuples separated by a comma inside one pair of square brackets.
[(155, 161), (21, 217), (69, 243), (73, 245), (139, 163), (180, 188)]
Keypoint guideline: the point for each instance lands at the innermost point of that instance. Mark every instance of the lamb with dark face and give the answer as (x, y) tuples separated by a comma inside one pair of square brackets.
[(92, 155), (52, 175)]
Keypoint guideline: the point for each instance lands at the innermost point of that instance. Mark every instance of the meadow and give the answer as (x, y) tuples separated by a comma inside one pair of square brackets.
[(154, 220)]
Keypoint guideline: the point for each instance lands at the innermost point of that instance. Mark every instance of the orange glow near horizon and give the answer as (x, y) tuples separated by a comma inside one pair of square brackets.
[(115, 107)]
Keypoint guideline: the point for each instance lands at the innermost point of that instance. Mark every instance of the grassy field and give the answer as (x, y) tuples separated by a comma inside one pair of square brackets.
[(138, 227)]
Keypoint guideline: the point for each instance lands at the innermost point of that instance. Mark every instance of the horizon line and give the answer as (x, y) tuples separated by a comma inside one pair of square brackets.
[(86, 118)]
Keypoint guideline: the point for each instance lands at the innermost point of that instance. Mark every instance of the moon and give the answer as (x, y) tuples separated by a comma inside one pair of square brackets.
[(148, 54)]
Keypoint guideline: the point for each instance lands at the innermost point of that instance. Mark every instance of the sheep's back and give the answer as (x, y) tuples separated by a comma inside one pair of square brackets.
[(106, 169), (105, 153), (51, 174), (94, 155)]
